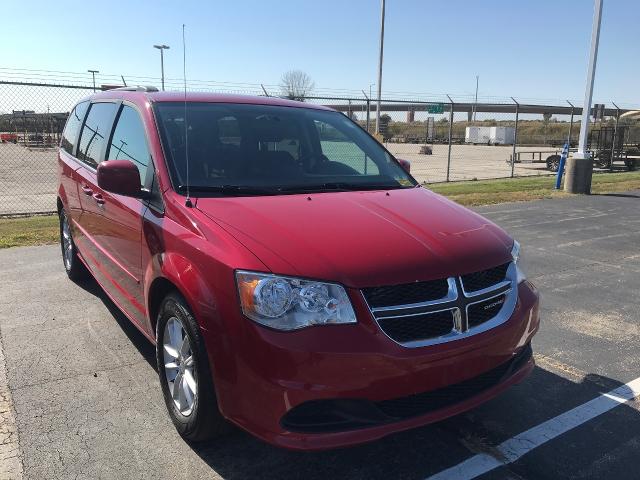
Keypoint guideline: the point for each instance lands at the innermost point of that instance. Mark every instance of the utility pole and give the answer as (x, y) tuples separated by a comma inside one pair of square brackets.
[(93, 73), (380, 67), (580, 166), (162, 48), (475, 104)]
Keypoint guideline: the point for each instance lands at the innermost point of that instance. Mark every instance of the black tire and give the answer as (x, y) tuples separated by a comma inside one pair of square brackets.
[(553, 163), (631, 164), (72, 264), (204, 422)]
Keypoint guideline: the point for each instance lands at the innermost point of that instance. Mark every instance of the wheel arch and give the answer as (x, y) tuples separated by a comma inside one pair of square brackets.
[(160, 287), (177, 273)]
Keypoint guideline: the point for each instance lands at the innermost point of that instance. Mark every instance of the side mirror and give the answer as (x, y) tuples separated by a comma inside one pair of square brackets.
[(121, 177), (406, 164)]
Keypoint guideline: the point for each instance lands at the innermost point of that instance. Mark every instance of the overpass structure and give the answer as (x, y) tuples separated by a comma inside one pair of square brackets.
[(358, 105)]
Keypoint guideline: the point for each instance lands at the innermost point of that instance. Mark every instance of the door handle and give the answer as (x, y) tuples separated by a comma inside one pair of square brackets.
[(98, 198), (87, 191)]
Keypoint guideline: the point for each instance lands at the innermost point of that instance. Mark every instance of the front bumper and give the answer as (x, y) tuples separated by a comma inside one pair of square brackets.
[(335, 386)]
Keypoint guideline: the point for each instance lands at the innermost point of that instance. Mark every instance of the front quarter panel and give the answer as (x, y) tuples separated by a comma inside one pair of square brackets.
[(199, 259)]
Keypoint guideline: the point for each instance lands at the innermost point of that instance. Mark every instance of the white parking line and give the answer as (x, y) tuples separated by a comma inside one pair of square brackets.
[(514, 448)]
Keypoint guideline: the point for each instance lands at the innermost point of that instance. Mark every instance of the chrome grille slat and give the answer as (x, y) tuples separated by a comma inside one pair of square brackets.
[(457, 301), (452, 295), (405, 294)]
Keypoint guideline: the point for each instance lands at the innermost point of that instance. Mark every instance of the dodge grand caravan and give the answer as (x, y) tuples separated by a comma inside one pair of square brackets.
[(295, 278)]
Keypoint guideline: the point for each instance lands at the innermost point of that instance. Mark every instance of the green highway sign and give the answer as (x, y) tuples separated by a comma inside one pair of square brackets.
[(435, 108)]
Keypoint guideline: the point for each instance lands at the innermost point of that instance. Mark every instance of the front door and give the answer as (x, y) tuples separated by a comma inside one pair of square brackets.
[(110, 225)]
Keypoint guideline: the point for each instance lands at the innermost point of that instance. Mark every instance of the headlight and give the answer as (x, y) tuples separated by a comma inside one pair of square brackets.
[(287, 303), (517, 259)]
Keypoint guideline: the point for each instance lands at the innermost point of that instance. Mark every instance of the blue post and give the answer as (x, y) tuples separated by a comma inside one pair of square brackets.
[(563, 159)]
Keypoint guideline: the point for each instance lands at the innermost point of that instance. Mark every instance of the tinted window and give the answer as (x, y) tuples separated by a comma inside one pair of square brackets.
[(129, 141), (95, 133), (338, 148), (236, 148), (71, 129), (229, 131)]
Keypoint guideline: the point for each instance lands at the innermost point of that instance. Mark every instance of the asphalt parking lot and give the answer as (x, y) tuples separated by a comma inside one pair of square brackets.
[(81, 397)]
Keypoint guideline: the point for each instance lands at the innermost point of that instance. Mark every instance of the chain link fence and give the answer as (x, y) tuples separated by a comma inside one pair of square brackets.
[(32, 118), (444, 140)]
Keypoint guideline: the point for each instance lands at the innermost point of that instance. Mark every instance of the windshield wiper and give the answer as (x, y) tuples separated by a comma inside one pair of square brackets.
[(227, 189), (338, 186)]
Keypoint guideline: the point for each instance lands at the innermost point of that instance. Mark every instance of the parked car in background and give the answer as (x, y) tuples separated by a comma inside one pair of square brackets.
[(294, 278), (8, 138)]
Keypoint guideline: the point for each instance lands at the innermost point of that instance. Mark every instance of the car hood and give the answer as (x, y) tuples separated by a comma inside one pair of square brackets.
[(362, 239)]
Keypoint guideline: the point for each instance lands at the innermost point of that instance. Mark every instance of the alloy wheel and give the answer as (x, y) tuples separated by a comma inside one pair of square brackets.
[(67, 243), (179, 365)]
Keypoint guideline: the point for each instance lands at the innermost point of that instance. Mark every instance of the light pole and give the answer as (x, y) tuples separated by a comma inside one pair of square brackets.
[(380, 68), (162, 48), (580, 166), (93, 73)]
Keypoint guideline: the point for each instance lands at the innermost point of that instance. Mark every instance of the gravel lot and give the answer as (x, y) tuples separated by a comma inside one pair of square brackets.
[(28, 179), (468, 162), (84, 398)]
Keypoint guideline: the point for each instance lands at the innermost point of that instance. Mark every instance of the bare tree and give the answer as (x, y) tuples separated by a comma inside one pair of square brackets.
[(296, 85)]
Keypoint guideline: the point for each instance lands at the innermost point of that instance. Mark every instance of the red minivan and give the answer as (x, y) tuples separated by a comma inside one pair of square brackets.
[(296, 280)]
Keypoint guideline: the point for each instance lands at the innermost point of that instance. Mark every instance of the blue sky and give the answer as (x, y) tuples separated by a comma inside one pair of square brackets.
[(522, 48)]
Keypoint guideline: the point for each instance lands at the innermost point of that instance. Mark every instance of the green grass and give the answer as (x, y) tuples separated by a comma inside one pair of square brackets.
[(42, 230), (39, 230), (486, 192)]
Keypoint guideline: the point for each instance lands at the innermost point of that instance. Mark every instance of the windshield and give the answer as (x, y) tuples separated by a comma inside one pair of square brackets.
[(237, 149)]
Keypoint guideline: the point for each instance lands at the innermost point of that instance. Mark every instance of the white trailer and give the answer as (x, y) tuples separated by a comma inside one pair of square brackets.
[(502, 135), (477, 135), (490, 135)]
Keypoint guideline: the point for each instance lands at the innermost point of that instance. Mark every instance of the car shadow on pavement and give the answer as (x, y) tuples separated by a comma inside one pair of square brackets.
[(142, 344), (419, 453)]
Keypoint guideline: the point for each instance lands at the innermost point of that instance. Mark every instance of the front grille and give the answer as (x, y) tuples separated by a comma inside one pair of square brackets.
[(481, 312), (421, 403), (484, 279), (336, 415), (438, 311), (405, 294), (418, 327)]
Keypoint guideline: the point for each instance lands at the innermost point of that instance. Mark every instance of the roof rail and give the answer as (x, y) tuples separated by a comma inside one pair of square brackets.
[(138, 88)]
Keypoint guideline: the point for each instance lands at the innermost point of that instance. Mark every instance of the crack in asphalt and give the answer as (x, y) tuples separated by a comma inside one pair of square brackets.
[(79, 374), (11, 461)]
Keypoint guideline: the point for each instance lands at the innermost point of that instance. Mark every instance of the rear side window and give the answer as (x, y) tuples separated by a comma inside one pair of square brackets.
[(95, 133), (72, 128), (129, 141)]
